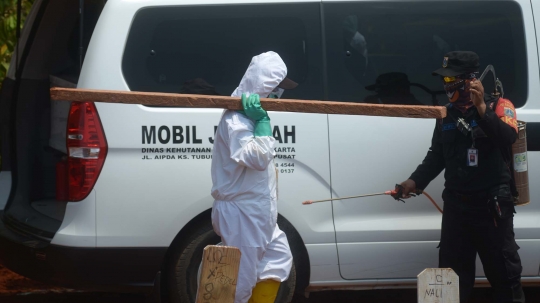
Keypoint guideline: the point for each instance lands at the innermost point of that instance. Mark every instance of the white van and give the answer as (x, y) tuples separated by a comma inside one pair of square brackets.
[(137, 212)]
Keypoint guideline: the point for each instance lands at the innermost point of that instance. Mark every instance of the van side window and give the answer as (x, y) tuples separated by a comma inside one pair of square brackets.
[(384, 52), (206, 49)]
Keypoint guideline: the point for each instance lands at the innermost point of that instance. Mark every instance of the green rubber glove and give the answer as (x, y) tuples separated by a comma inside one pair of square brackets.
[(252, 107), (254, 111), (263, 128)]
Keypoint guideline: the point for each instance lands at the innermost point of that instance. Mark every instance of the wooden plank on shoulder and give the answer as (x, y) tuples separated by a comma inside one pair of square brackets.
[(219, 274), (234, 103)]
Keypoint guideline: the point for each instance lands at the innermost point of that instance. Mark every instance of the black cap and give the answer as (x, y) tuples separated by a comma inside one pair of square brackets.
[(389, 80), (457, 63), (287, 84)]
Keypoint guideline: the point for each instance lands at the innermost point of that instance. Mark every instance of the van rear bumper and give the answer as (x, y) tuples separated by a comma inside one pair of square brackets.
[(100, 269)]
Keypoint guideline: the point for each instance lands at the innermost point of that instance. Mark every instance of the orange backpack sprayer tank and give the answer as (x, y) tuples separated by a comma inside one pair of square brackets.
[(519, 158), (518, 163)]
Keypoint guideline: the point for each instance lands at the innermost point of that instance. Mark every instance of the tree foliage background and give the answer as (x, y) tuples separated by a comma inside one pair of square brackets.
[(8, 30)]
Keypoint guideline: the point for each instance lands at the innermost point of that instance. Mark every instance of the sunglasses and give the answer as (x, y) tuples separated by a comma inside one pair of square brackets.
[(449, 79), (460, 77)]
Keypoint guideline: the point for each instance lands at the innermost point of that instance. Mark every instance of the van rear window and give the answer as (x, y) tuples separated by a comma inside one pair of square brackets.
[(375, 47), (207, 49)]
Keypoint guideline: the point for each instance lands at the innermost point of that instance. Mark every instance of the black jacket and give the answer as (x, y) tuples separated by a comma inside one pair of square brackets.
[(449, 150)]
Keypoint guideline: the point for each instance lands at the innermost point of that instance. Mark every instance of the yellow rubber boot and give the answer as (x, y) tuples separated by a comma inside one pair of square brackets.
[(265, 292)]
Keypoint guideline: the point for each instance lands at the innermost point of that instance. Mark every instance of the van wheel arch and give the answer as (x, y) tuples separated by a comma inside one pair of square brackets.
[(182, 239), (299, 252)]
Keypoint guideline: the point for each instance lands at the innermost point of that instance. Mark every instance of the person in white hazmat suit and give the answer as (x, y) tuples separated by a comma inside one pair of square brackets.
[(244, 180)]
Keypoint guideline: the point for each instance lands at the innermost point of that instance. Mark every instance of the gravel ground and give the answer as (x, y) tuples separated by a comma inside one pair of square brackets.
[(17, 289)]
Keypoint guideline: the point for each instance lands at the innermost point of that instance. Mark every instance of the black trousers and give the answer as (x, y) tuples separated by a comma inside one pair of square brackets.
[(471, 225)]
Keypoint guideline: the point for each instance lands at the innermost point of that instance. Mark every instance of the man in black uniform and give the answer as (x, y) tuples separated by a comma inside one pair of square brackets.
[(471, 144)]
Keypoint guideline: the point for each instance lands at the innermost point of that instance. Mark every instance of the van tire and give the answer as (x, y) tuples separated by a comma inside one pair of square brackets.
[(286, 289), (186, 258)]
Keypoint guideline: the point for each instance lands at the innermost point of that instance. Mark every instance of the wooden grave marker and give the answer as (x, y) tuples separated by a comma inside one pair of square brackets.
[(219, 274), (438, 285)]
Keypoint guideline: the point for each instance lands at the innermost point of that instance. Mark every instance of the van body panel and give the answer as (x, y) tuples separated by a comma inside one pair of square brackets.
[(311, 170), (535, 7), (166, 184), (324, 262), (178, 179), (101, 67), (387, 259), (78, 228), (379, 228), (528, 251)]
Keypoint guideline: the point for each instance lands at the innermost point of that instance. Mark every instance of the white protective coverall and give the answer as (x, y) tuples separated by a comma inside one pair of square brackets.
[(244, 180)]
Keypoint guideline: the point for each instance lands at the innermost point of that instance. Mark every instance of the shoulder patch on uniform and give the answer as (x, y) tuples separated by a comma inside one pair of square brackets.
[(507, 113)]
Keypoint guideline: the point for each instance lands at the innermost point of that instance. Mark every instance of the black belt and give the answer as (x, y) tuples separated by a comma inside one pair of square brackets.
[(471, 197)]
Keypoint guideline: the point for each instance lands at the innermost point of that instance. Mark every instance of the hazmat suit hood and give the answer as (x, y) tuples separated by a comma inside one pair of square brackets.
[(264, 74)]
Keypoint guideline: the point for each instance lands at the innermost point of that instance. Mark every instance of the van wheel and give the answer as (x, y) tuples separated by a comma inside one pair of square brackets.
[(286, 289), (186, 259)]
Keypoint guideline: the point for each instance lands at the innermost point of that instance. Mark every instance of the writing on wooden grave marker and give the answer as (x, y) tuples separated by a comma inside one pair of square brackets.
[(219, 274)]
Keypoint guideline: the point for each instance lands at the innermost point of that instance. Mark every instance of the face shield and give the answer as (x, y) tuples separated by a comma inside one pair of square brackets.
[(276, 93), (285, 84)]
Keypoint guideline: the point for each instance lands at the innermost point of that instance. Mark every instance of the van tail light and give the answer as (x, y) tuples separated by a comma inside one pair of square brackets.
[(87, 150), (62, 180)]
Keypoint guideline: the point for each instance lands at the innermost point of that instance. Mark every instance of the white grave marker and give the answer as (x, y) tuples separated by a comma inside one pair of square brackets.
[(438, 285)]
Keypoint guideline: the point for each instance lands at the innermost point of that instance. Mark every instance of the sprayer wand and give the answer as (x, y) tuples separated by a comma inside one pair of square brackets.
[(396, 194)]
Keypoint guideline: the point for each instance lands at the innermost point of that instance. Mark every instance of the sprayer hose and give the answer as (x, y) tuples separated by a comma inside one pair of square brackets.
[(433, 202)]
